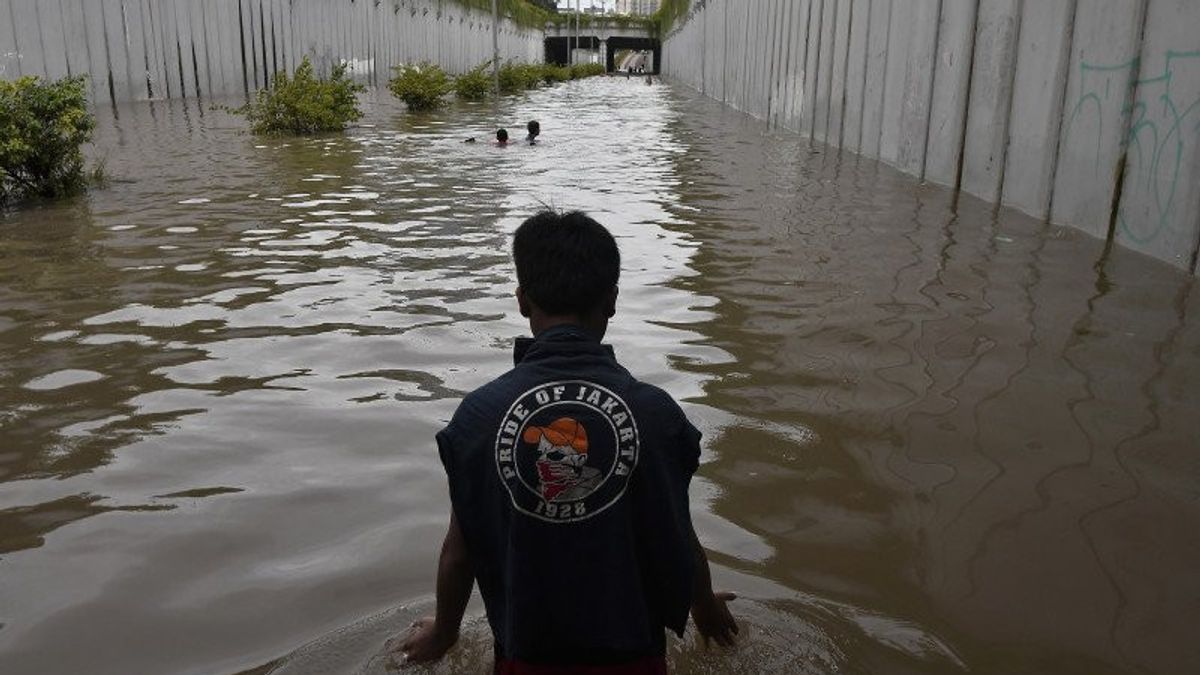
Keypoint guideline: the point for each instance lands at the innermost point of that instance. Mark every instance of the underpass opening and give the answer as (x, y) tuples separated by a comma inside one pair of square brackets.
[(619, 44)]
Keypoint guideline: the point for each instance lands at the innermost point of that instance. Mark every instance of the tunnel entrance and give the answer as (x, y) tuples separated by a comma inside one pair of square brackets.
[(617, 44), (558, 49)]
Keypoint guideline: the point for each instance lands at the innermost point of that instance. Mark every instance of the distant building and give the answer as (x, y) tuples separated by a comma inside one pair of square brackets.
[(638, 7)]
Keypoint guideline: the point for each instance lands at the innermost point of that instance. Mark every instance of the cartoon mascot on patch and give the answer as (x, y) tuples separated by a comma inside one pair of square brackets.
[(562, 457)]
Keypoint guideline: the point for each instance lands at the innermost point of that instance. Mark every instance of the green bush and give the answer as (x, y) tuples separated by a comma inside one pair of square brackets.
[(552, 73), (43, 126), (421, 86), (512, 78), (582, 70), (304, 103), (531, 75), (475, 84)]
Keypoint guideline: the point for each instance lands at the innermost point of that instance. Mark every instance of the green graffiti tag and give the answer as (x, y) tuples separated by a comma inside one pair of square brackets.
[(1163, 122)]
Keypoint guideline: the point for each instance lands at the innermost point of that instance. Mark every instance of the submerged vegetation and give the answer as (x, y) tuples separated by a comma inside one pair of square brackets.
[(304, 103), (421, 86), (581, 71), (43, 127), (475, 84)]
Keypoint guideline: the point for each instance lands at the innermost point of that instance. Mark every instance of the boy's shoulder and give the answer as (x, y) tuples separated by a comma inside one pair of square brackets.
[(494, 398)]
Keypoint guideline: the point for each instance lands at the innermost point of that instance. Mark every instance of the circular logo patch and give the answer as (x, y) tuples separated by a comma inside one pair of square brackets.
[(566, 450)]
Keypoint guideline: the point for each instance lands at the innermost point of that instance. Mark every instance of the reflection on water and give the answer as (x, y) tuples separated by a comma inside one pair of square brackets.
[(938, 439)]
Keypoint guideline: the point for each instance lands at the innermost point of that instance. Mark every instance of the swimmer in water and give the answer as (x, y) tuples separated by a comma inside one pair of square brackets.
[(534, 130), (502, 137)]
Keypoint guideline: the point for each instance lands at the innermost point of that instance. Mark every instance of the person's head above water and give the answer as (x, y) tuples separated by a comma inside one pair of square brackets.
[(568, 266), (534, 129), (502, 136)]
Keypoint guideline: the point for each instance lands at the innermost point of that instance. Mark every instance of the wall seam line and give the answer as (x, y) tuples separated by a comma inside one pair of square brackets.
[(937, 38), (1069, 47), (887, 49), (1012, 85), (1123, 136), (846, 74), (962, 141)]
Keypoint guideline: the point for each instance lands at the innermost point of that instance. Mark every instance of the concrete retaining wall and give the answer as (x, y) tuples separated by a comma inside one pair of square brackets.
[(146, 49), (1082, 112)]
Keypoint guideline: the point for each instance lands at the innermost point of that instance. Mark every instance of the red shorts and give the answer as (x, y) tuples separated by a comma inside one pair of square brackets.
[(655, 665)]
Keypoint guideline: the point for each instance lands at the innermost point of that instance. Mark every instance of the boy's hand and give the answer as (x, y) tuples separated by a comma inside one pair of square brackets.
[(713, 619), (425, 643)]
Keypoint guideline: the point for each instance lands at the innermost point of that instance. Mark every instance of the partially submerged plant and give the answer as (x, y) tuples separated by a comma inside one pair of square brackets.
[(304, 103), (581, 70), (43, 126), (475, 84), (421, 86), (552, 73)]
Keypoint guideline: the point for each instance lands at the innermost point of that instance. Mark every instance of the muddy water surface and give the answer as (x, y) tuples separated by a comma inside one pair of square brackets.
[(938, 439)]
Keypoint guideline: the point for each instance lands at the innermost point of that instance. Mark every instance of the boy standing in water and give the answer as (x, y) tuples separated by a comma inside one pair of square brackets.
[(568, 482)]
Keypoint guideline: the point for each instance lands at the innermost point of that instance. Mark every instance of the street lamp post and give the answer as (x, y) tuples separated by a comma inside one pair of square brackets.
[(496, 46)]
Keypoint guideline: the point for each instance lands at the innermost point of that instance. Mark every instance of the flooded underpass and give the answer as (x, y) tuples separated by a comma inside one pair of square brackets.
[(938, 438)]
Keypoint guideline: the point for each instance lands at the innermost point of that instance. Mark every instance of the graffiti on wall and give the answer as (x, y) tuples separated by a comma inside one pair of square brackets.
[(1164, 129)]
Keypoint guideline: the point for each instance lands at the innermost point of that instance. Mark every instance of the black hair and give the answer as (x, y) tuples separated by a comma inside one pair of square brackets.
[(502, 135), (534, 128), (567, 263)]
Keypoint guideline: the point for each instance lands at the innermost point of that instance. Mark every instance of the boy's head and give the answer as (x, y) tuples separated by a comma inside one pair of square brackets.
[(568, 266), (534, 129), (502, 135)]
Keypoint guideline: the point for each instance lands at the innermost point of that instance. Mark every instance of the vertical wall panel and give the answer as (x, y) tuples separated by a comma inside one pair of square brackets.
[(824, 72), (10, 62), (991, 97), (98, 63), (900, 37), (1103, 56), (1159, 211), (135, 48), (856, 75), (1042, 51), (787, 43), (811, 58), (877, 58), (118, 49), (199, 47), (169, 42), (211, 54), (75, 34), (837, 95), (948, 110), (917, 85), (28, 38), (54, 46)]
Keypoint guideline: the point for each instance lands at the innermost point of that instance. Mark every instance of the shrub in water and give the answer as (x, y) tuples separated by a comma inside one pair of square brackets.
[(475, 84), (531, 75), (43, 125), (582, 70), (420, 86), (304, 103), (552, 73), (512, 78)]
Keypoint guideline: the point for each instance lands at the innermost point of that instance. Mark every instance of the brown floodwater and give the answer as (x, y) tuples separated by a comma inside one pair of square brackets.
[(938, 438)]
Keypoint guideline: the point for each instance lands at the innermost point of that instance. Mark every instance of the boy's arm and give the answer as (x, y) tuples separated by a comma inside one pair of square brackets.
[(433, 636), (709, 611)]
